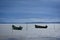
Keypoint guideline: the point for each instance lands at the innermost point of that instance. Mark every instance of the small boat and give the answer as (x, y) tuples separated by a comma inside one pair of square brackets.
[(38, 26), (16, 28)]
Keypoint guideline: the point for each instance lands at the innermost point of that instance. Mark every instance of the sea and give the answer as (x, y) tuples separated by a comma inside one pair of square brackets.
[(29, 32)]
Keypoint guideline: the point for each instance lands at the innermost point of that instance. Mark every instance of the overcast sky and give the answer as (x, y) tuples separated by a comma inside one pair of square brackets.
[(29, 10)]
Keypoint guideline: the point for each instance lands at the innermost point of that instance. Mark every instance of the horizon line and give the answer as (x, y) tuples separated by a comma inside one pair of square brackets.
[(29, 22)]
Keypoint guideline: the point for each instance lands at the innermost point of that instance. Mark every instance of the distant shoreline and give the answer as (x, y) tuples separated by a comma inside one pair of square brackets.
[(29, 22)]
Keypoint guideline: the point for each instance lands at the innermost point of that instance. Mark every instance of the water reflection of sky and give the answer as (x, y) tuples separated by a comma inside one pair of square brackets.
[(29, 10), (31, 33)]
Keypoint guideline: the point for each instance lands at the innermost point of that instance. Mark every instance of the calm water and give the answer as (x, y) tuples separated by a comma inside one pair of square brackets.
[(29, 32)]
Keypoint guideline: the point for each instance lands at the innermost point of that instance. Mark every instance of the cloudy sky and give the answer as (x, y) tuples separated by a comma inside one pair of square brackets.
[(29, 10)]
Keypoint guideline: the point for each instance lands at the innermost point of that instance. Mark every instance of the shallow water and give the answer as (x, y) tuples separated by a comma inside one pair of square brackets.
[(29, 32)]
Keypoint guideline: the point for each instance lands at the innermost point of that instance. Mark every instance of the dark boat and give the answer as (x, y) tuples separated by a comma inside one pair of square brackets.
[(38, 26), (16, 28)]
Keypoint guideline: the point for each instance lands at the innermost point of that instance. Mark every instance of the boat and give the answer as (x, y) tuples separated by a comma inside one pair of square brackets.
[(17, 28), (38, 26)]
